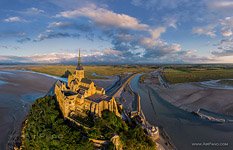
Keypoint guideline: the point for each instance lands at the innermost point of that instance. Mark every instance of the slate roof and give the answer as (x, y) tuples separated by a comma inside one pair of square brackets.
[(83, 87), (68, 93), (85, 80), (99, 97)]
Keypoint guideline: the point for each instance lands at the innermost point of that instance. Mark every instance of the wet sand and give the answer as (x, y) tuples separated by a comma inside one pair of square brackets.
[(17, 92), (192, 96), (186, 130)]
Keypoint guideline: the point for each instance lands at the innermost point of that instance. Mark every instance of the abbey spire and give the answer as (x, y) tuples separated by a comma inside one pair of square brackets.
[(79, 67), (79, 58)]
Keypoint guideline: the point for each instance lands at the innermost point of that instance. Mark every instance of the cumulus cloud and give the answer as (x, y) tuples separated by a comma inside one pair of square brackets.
[(153, 40), (59, 24), (100, 56), (227, 32), (227, 26), (223, 53), (225, 48), (219, 7), (33, 11), (14, 19), (206, 30), (105, 17), (161, 50), (227, 21), (220, 4), (132, 46)]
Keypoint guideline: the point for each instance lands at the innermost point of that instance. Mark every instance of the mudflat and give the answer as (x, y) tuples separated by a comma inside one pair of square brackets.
[(18, 90), (192, 96)]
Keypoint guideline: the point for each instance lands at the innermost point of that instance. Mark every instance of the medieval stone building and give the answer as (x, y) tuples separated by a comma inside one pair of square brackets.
[(80, 96)]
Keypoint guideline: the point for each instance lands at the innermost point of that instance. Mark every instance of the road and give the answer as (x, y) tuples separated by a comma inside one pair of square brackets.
[(119, 86), (186, 130)]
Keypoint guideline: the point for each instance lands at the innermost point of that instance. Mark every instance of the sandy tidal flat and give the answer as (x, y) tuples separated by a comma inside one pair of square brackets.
[(18, 90), (192, 96)]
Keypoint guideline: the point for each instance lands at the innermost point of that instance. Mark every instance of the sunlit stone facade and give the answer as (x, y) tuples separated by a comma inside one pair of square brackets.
[(81, 96)]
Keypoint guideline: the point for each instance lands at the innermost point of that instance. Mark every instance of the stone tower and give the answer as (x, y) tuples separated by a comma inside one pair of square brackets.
[(79, 72)]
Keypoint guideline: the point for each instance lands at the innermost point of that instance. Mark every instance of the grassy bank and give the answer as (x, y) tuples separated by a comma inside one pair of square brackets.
[(59, 70), (196, 74), (46, 129)]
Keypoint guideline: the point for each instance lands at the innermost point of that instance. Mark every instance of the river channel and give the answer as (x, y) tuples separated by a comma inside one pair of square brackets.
[(186, 130)]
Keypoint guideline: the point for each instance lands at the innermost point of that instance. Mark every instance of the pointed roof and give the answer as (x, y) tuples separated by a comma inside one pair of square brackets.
[(79, 67)]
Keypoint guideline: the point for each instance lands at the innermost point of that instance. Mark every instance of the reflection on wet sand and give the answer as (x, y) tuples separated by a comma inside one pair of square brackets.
[(18, 90)]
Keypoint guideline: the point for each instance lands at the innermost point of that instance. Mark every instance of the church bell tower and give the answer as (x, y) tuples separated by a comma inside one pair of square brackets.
[(79, 72)]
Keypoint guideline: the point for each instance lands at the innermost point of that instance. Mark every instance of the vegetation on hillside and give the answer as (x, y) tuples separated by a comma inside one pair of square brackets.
[(46, 129), (182, 75)]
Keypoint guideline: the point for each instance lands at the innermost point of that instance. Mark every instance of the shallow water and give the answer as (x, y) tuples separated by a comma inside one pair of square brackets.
[(18, 90), (2, 82), (186, 130)]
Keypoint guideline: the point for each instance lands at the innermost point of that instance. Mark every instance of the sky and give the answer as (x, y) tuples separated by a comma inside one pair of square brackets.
[(116, 31)]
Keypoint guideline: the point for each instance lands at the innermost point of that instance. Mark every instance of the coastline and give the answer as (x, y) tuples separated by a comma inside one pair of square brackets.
[(16, 97), (27, 87)]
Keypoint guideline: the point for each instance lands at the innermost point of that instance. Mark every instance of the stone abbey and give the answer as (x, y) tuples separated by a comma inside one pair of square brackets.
[(80, 96)]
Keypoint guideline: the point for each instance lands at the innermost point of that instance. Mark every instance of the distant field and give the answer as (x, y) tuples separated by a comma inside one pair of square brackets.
[(59, 70), (196, 74)]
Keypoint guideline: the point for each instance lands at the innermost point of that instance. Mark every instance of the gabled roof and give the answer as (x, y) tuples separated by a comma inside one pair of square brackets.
[(99, 97), (69, 93), (83, 87), (85, 80)]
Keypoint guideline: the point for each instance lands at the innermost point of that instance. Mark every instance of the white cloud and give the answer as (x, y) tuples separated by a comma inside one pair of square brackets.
[(59, 24), (105, 17), (222, 4), (227, 32), (14, 19), (227, 21), (206, 30), (176, 47), (223, 53), (153, 40), (155, 33), (109, 51), (33, 11), (105, 55)]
